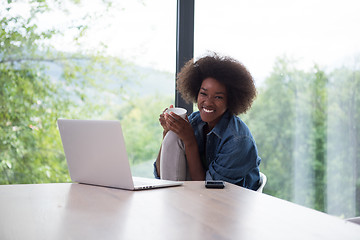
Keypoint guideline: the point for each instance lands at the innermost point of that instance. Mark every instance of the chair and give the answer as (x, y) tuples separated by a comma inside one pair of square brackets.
[(354, 220), (262, 182)]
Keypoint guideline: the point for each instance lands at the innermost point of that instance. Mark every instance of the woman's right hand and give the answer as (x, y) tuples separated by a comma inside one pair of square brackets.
[(163, 122)]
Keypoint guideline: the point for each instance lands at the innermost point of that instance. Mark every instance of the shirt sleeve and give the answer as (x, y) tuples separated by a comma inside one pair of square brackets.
[(236, 162)]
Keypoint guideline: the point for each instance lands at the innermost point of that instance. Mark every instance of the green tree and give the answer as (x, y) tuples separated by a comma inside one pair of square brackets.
[(343, 151), (306, 125), (38, 85), (271, 122), (319, 111), (142, 131)]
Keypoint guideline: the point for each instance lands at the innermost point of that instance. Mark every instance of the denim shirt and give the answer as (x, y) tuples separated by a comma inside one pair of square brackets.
[(230, 152)]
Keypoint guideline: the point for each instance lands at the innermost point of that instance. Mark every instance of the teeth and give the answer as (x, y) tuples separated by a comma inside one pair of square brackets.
[(207, 110)]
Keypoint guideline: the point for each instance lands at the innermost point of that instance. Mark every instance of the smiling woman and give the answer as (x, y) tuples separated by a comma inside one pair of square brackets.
[(214, 143)]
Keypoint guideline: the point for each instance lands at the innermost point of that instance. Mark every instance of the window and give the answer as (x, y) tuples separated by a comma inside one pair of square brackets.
[(304, 57), (104, 60), (117, 61)]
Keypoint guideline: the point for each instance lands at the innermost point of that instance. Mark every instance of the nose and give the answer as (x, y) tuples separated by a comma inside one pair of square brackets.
[(209, 101)]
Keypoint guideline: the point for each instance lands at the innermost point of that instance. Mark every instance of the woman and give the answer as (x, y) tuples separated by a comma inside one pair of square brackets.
[(213, 143)]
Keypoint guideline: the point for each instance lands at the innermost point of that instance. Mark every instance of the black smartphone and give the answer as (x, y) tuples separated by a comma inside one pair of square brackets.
[(214, 184)]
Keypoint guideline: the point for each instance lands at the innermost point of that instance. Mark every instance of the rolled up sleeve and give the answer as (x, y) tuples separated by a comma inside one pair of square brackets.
[(236, 162)]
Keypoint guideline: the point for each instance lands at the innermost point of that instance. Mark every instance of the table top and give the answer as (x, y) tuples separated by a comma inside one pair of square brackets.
[(79, 211)]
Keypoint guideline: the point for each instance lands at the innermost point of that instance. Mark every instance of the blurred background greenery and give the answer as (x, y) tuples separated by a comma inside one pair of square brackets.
[(305, 121)]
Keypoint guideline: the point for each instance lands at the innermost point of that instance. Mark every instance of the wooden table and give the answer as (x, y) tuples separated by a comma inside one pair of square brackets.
[(77, 211)]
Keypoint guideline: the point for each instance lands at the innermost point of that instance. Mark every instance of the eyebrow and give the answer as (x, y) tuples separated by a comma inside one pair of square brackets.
[(215, 92)]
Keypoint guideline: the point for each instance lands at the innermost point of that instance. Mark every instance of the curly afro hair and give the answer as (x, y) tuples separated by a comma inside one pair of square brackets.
[(239, 83)]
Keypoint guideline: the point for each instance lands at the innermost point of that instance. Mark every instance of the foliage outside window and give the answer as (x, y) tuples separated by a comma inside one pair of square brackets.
[(40, 84), (305, 122)]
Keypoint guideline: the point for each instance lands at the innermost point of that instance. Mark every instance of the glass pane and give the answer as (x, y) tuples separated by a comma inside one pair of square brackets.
[(305, 59), (82, 60)]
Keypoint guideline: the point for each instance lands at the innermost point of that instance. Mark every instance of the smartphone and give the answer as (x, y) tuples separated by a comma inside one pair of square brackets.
[(214, 184)]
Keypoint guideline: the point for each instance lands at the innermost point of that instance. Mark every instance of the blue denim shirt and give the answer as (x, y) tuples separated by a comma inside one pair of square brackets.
[(228, 152)]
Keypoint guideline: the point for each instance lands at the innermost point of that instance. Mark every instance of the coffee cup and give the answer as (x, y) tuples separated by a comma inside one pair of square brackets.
[(178, 111)]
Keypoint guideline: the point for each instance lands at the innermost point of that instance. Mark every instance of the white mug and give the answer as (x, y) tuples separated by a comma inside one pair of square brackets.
[(178, 111)]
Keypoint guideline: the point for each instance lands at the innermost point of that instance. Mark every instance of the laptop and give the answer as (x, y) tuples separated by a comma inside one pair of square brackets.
[(95, 153)]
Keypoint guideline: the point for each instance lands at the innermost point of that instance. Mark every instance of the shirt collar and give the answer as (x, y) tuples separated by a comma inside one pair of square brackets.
[(221, 126)]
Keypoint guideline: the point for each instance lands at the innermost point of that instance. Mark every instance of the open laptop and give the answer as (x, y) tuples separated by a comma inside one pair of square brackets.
[(95, 153)]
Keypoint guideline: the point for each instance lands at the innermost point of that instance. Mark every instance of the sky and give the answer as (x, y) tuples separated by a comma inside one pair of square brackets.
[(258, 31), (255, 32)]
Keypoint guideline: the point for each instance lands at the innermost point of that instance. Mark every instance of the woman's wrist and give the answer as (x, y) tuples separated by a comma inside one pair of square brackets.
[(190, 141)]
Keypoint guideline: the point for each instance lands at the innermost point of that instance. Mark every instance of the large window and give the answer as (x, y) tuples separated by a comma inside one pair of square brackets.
[(116, 60), (305, 58)]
